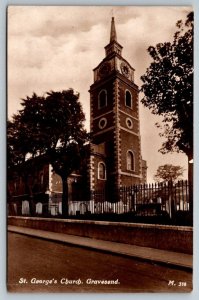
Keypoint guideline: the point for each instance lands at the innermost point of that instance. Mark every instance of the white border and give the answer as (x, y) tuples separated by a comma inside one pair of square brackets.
[(3, 293)]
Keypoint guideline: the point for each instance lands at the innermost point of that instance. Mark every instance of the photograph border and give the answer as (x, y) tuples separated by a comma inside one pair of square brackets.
[(3, 254)]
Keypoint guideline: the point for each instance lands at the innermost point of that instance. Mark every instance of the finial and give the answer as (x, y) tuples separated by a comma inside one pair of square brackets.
[(113, 36)]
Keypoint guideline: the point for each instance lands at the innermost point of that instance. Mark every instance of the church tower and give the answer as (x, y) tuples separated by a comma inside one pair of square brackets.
[(116, 151)]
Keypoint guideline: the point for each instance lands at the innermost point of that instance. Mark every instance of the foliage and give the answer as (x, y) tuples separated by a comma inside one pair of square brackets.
[(50, 127), (168, 172), (168, 88)]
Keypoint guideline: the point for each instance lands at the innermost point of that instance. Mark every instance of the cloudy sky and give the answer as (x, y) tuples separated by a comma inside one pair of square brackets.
[(57, 47)]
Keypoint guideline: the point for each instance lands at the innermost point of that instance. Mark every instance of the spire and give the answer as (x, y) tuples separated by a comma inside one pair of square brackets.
[(113, 36), (113, 46)]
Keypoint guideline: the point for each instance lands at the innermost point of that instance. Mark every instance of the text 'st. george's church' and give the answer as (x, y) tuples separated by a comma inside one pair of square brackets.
[(115, 125)]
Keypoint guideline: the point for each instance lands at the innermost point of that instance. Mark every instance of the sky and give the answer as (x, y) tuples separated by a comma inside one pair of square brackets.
[(57, 47)]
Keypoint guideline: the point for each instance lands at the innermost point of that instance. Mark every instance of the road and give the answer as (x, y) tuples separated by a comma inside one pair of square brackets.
[(36, 265)]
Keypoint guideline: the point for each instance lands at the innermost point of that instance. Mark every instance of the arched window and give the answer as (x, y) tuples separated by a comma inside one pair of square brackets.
[(101, 170), (102, 100), (42, 178), (128, 99), (130, 161)]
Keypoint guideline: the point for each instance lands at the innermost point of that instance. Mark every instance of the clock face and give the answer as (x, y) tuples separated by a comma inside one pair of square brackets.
[(125, 69), (104, 69)]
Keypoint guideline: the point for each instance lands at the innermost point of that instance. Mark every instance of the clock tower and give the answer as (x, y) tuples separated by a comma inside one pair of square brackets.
[(115, 126)]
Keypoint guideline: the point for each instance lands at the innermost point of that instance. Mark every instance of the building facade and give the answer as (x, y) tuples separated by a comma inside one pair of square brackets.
[(115, 124)]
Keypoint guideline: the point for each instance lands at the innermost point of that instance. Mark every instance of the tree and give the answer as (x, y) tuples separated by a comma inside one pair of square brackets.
[(168, 173), (17, 166), (168, 89), (51, 127)]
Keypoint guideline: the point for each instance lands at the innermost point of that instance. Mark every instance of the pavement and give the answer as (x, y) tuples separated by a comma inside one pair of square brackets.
[(170, 258)]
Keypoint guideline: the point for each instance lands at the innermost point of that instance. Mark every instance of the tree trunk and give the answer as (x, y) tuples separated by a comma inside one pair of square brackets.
[(64, 197)]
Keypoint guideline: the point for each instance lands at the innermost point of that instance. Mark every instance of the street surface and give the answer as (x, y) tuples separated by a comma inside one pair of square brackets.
[(36, 265)]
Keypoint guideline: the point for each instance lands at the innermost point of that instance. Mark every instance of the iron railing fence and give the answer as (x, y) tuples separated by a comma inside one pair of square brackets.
[(145, 199), (167, 201)]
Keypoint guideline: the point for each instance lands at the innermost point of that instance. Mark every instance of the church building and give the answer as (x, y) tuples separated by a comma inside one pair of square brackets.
[(115, 159), (115, 124)]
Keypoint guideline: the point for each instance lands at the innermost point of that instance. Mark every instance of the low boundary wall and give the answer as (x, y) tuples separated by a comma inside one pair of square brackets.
[(165, 237)]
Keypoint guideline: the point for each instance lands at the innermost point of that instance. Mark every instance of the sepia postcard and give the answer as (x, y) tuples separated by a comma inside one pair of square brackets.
[(100, 149)]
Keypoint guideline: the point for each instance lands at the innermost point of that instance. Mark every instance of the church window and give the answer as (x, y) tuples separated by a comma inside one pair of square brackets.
[(102, 123), (128, 99), (130, 161), (101, 171), (42, 178), (102, 100), (15, 186), (129, 123)]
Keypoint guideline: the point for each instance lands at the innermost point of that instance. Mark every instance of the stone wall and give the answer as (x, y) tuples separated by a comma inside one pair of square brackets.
[(165, 237)]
